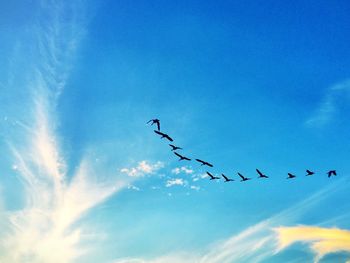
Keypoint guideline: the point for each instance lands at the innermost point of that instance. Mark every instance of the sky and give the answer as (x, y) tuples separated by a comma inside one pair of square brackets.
[(240, 84)]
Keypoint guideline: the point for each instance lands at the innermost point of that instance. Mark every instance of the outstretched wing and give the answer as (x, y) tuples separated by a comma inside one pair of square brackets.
[(241, 176), (149, 121), (160, 133), (168, 137), (209, 164), (158, 125), (210, 174), (200, 161), (258, 171), (179, 155), (225, 177)]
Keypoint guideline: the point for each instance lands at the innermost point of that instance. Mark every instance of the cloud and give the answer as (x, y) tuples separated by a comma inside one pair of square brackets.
[(321, 241), (143, 168), (176, 181), (254, 244), (330, 104), (48, 227), (183, 169), (193, 187)]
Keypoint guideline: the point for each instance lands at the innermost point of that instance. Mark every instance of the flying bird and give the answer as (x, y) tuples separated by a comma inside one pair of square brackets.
[(331, 172), (204, 162), (291, 176), (243, 178), (182, 157), (227, 179), (155, 121), (309, 172), (261, 175), (212, 177), (164, 135), (174, 148)]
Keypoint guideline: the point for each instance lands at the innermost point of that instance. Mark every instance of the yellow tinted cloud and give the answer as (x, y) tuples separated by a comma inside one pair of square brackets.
[(321, 241)]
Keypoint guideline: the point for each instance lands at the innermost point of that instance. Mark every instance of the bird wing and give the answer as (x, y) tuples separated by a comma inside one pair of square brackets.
[(188, 159), (158, 125), (160, 133), (149, 121), (260, 173), (179, 155), (199, 160), (210, 174), (241, 176), (168, 137), (172, 146), (226, 178)]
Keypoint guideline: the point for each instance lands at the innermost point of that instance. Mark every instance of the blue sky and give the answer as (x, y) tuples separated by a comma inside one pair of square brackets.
[(241, 84)]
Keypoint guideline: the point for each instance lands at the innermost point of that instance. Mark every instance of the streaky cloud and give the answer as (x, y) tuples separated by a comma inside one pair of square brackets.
[(48, 227), (254, 244), (329, 104), (321, 241)]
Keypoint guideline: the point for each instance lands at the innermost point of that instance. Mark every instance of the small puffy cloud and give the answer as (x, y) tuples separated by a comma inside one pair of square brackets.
[(321, 241), (183, 169), (197, 177), (196, 188), (133, 187), (176, 181), (142, 169)]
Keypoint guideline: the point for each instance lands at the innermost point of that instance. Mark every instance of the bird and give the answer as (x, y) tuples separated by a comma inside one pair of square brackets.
[(155, 121), (309, 172), (291, 176), (182, 157), (174, 148), (261, 175), (243, 178), (212, 177), (164, 135), (227, 179), (204, 162), (331, 172)]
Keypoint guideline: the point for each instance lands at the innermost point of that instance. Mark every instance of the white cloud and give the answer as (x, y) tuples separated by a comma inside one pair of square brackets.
[(143, 168), (193, 187), (183, 169), (49, 227), (176, 181), (330, 103)]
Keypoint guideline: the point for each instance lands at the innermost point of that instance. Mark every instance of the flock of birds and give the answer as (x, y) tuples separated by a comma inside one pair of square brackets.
[(204, 163)]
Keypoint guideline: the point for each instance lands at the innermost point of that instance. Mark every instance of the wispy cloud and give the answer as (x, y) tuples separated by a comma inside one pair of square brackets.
[(329, 105), (254, 244), (321, 241), (48, 228)]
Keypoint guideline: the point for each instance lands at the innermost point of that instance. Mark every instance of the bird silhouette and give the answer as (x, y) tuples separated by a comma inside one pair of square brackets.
[(164, 135), (227, 179), (182, 157), (291, 176), (212, 177), (243, 178), (331, 172), (204, 162), (261, 175), (309, 172), (174, 148), (155, 121)]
